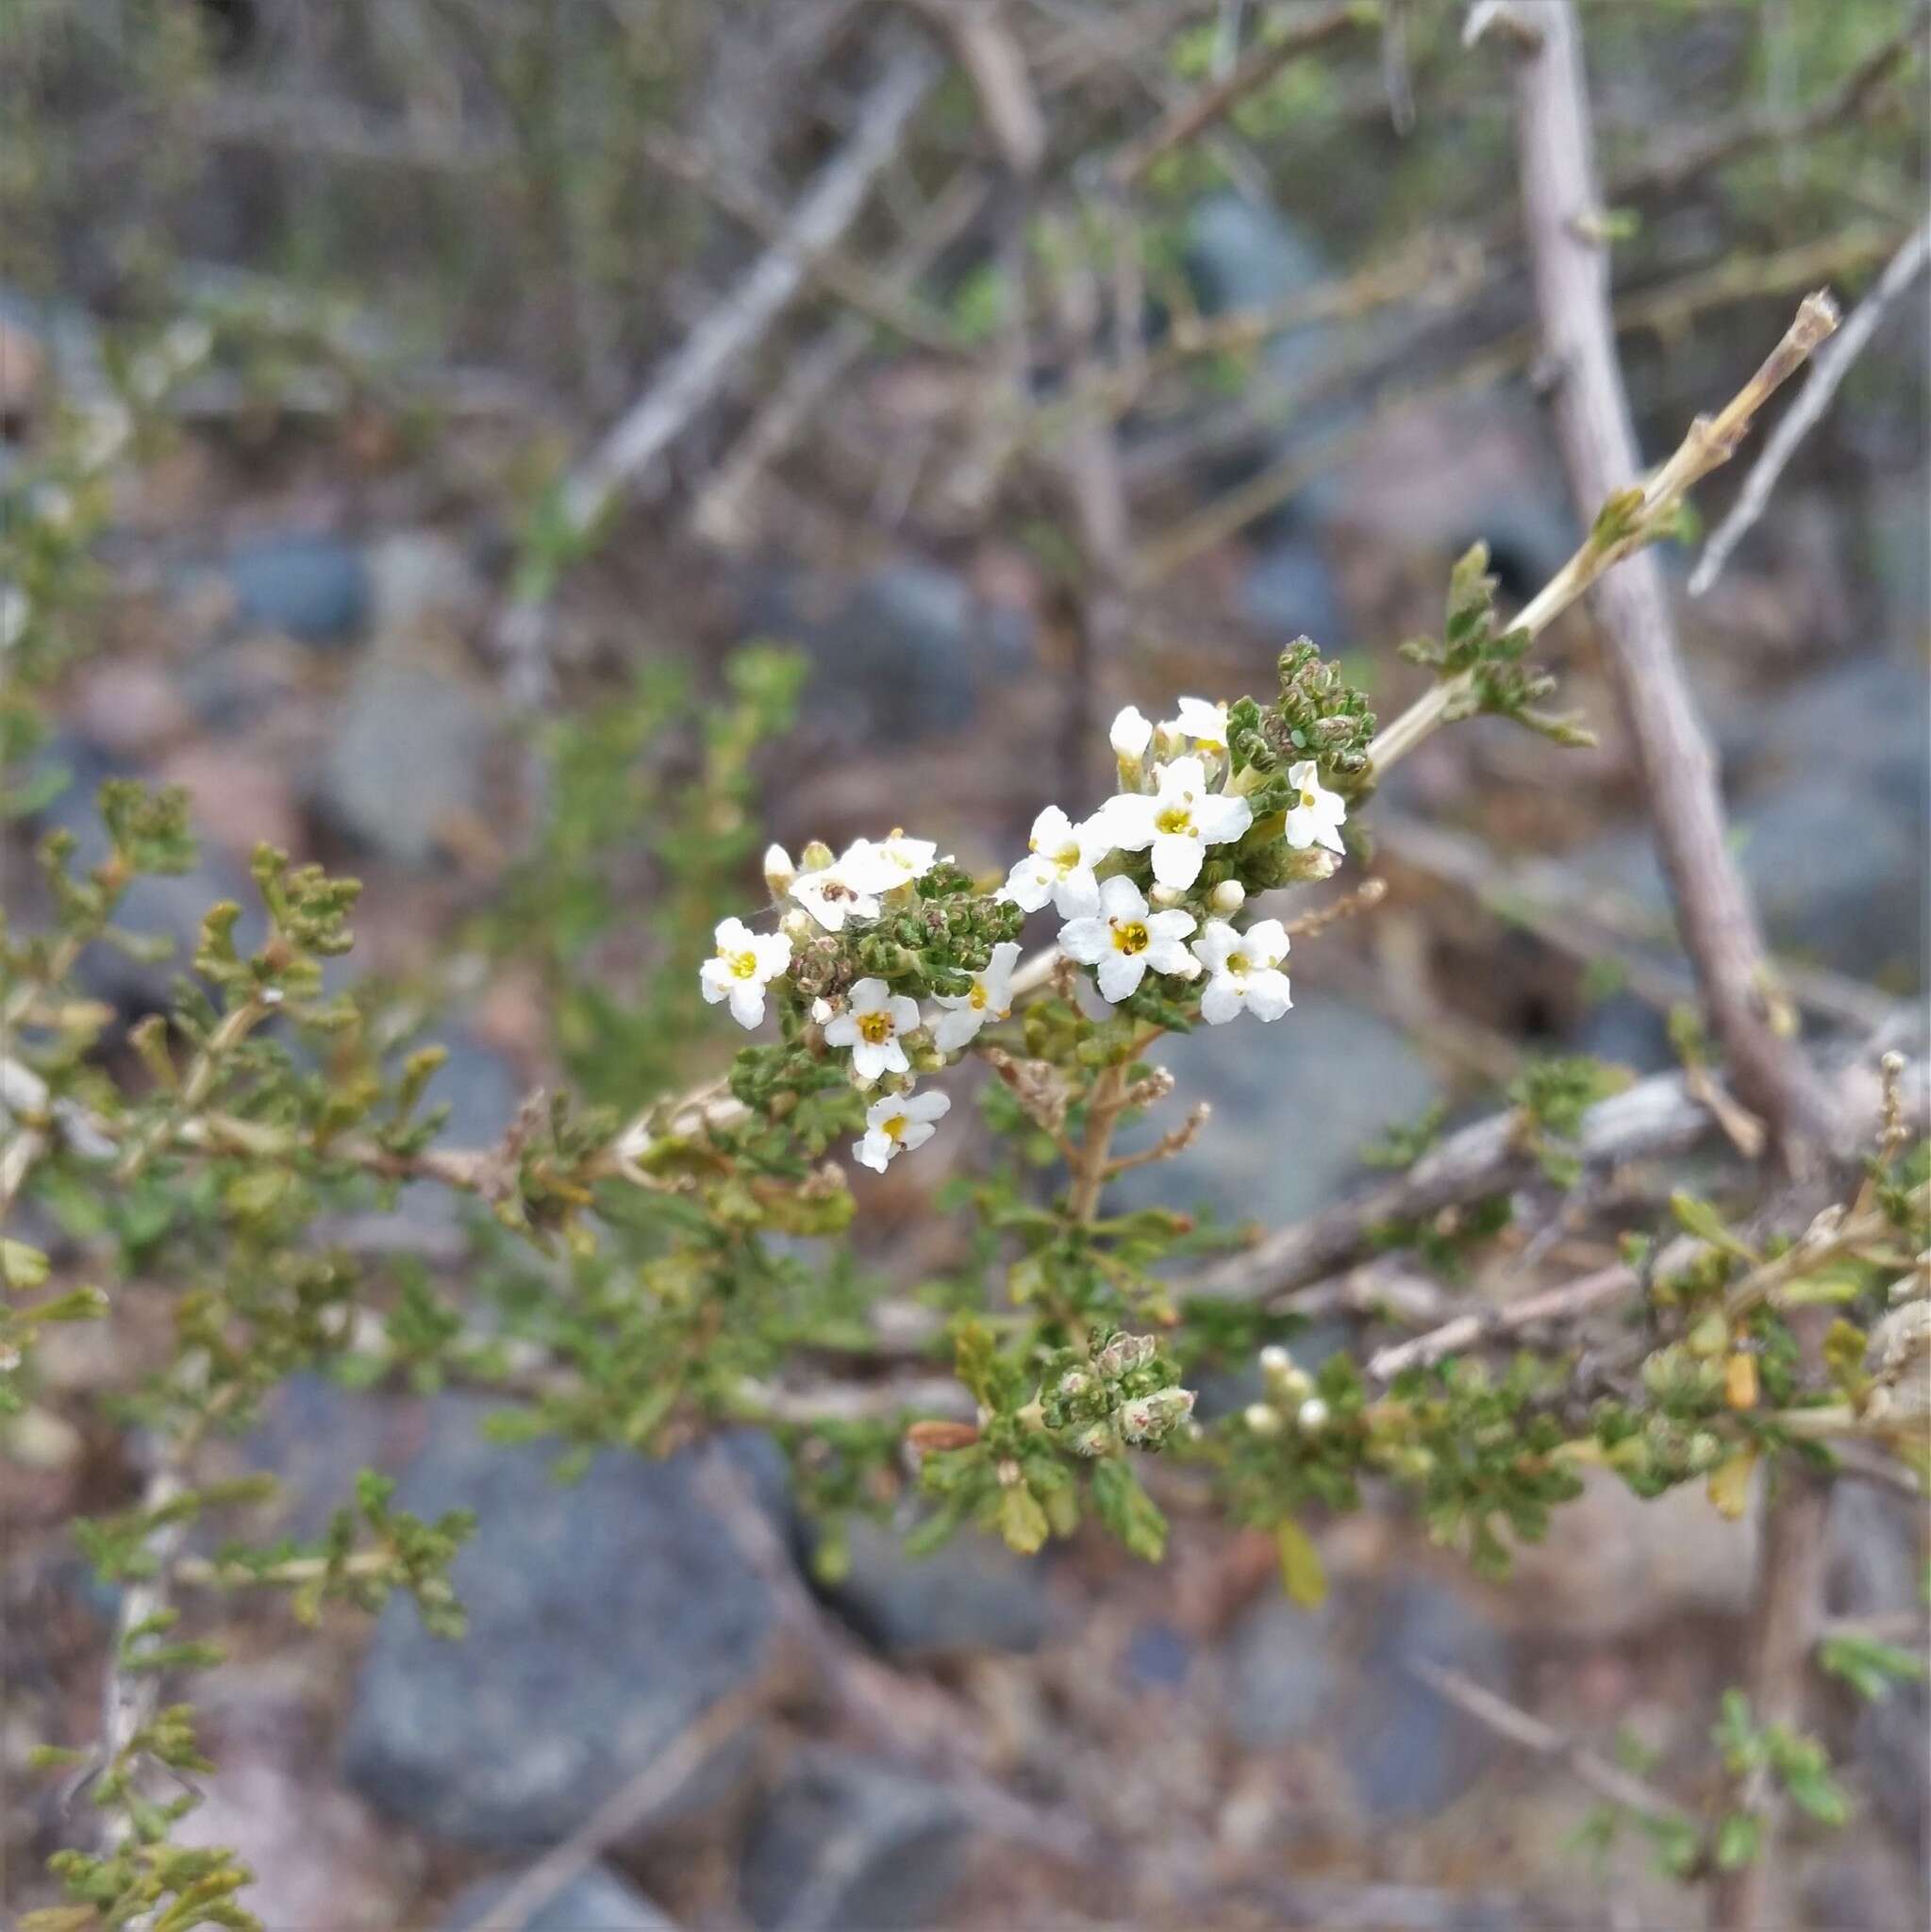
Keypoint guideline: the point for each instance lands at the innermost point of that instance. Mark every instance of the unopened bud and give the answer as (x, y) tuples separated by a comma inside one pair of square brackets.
[(798, 925), (779, 873), (1166, 895), (1312, 1416), (1228, 897), (1275, 1361), (1263, 1419), (815, 857)]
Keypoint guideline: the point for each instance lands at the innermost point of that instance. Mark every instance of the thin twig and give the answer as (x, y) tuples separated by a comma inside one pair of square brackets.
[(1832, 365), (1598, 442)]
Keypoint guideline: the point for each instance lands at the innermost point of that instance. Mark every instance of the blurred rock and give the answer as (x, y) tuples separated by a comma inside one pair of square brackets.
[(1292, 1105), (171, 908), (973, 1594), (405, 768), (595, 1900), (1863, 717), (1289, 591), (908, 654), (846, 1843), (304, 584), (315, 1436), (604, 1618), (1613, 1564), (1159, 1656), (1339, 1678), (421, 578)]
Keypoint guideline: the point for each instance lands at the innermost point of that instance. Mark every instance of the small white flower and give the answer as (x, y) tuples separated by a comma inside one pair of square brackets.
[(871, 1025), (887, 865), (1058, 865), (1312, 1415), (1244, 969), (1130, 736), (1263, 1419), (1314, 813), (990, 999), (1125, 937), (780, 875), (1180, 820), (821, 1010), (1204, 724), (1228, 897), (895, 1124), (831, 898), (746, 963)]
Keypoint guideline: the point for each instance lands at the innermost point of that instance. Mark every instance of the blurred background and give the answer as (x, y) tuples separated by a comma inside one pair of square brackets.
[(494, 372)]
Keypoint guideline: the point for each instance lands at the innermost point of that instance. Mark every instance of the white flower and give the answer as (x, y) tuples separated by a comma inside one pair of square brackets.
[(1229, 896), (1204, 724), (1244, 970), (887, 865), (1179, 822), (831, 898), (780, 875), (1130, 736), (897, 1123), (746, 963), (990, 999), (1058, 865), (1126, 939), (1315, 814), (871, 1023)]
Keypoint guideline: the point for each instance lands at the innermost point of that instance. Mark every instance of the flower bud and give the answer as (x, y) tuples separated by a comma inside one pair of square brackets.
[(1148, 1418), (1228, 897), (1311, 1417), (1262, 1417), (1168, 741), (1275, 1361), (1131, 735), (815, 857), (779, 873), (798, 925), (1189, 969)]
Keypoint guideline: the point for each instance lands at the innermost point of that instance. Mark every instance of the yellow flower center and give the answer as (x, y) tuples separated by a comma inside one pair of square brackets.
[(876, 1028), (1239, 964), (1307, 799), (1176, 818), (893, 1126), (1066, 858), (742, 965), (1131, 938), (976, 998)]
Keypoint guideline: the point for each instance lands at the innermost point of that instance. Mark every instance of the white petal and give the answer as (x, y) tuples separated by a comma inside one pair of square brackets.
[(1129, 821), (1177, 860), (1266, 942), (1077, 894), (747, 1003), (870, 996), (997, 977), (1086, 940), (1298, 828), (734, 936), (874, 1150), (716, 979), (957, 1028), (928, 1106), (1222, 819), (1326, 835), (842, 1030), (1051, 830), (903, 1011), (893, 1057), (774, 951), (1120, 975), (1267, 995), (1222, 1001), (1131, 733), (869, 1059), (916, 1134), (1184, 778), (1121, 899), (1029, 884), (1217, 939)]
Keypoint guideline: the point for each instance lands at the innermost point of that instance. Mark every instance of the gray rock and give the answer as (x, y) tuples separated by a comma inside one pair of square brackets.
[(315, 1436), (973, 1594), (1339, 1678), (170, 907), (1292, 1105), (594, 1901), (1289, 591), (908, 654), (406, 762), (846, 1844), (1863, 719), (604, 1618), (305, 585)]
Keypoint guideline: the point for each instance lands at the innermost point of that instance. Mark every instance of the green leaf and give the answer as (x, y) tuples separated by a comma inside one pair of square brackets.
[(1129, 1511), (1739, 1838), (1022, 1521), (22, 1266)]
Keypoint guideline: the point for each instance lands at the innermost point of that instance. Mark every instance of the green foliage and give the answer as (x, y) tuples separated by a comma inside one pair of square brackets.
[(1475, 648), (1553, 1095)]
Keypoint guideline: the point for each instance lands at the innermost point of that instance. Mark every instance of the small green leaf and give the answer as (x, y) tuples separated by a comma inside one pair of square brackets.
[(1304, 1576)]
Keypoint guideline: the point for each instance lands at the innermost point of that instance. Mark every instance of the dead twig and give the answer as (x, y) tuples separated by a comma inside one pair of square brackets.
[(1598, 444), (1832, 365)]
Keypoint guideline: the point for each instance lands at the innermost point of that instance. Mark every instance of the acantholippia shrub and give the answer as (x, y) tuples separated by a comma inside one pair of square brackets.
[(621, 1285)]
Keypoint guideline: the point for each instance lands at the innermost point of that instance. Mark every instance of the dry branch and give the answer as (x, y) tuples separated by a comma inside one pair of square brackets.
[(1599, 451)]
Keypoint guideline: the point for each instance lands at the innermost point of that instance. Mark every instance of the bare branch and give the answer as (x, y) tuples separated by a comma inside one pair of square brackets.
[(1598, 441), (1832, 365)]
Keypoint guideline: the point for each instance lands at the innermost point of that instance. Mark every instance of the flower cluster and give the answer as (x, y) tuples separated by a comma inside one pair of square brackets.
[(886, 957), (1128, 1392)]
